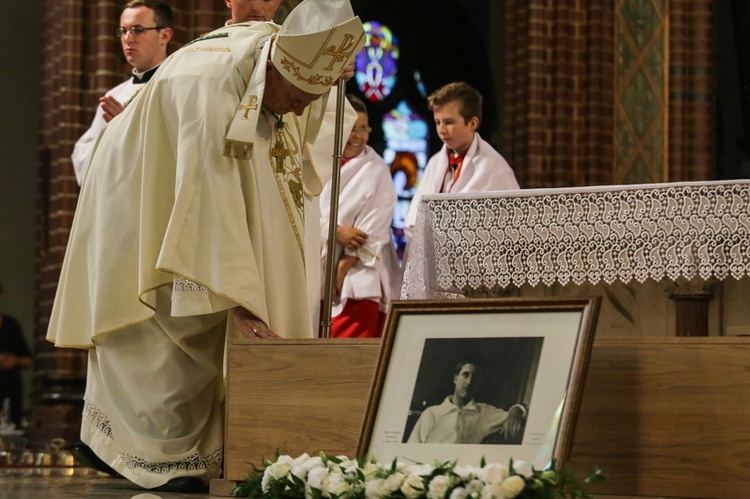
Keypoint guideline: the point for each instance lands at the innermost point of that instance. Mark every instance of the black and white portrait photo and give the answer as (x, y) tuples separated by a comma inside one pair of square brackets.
[(473, 390), (476, 379)]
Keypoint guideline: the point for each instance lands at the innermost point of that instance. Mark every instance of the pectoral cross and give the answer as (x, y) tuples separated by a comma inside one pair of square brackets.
[(252, 103), (340, 54), (279, 151)]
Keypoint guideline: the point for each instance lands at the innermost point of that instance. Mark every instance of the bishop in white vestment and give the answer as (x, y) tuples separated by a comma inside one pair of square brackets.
[(190, 226)]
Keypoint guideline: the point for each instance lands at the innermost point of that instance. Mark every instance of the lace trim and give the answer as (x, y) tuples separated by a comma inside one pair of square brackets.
[(185, 290), (193, 462), (97, 418), (673, 231)]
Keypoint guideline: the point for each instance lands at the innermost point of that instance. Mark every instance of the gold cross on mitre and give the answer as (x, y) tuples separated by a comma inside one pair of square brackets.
[(341, 53), (252, 103)]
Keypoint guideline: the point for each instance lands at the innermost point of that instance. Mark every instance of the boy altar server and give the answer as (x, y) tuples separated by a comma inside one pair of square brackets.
[(466, 163)]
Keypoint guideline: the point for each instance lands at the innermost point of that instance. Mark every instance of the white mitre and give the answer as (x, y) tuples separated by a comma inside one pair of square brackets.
[(318, 39)]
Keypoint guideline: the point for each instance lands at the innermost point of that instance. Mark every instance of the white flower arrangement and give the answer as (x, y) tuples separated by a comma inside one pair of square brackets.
[(322, 476)]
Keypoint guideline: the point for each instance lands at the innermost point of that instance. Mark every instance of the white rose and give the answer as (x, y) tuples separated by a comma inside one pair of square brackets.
[(523, 468), (336, 484), (317, 476), (350, 468), (492, 491), (265, 480), (279, 470), (413, 486), (275, 471), (302, 468), (465, 472), (493, 473), (394, 481), (370, 469), (346, 463), (375, 488), (512, 486), (475, 486), (459, 493), (438, 487), (419, 469)]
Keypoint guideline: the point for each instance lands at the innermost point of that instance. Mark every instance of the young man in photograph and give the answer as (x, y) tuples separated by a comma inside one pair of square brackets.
[(459, 419)]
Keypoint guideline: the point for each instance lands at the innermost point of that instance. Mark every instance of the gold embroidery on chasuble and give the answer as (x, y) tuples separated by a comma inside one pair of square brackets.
[(284, 156), (199, 49), (137, 91), (252, 104)]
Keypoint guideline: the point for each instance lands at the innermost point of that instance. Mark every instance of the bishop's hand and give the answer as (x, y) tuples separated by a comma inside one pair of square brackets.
[(249, 325), (348, 72)]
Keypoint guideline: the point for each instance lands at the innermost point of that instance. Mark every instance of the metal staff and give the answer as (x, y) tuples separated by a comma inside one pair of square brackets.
[(333, 219)]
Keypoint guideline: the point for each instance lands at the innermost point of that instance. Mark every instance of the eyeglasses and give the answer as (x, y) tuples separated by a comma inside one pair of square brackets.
[(362, 129), (134, 30)]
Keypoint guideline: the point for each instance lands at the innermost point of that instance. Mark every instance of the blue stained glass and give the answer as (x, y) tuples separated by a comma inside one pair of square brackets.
[(406, 135), (376, 64)]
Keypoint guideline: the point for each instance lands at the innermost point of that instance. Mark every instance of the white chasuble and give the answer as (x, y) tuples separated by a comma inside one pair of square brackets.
[(161, 201), (168, 235)]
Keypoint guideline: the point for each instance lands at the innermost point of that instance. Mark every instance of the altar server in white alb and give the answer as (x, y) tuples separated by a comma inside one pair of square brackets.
[(366, 261), (189, 227), (466, 163), (144, 32)]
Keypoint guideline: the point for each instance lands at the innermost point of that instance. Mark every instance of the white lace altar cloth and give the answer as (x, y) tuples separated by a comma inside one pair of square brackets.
[(603, 233)]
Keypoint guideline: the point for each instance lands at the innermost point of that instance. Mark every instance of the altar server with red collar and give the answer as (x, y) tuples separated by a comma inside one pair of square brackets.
[(466, 163), (367, 261)]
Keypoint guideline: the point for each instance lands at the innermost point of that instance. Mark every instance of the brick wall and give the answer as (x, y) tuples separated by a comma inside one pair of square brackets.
[(692, 90), (559, 92)]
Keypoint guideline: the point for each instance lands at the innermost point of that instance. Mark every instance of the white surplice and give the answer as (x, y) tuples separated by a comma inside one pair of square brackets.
[(366, 201), (84, 146), (483, 169)]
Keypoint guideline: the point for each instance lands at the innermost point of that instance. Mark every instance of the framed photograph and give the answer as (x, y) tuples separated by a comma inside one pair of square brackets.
[(469, 379)]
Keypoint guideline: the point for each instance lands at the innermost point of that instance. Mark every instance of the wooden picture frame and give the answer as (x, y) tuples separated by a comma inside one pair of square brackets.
[(531, 353)]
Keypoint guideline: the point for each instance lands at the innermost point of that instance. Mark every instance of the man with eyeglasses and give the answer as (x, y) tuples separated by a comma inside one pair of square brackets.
[(190, 229), (145, 31), (367, 263)]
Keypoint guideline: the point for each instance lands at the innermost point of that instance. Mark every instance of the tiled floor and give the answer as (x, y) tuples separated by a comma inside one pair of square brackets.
[(74, 483), (67, 483)]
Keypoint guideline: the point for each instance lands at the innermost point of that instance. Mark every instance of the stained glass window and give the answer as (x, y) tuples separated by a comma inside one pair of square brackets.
[(406, 151), (376, 64)]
